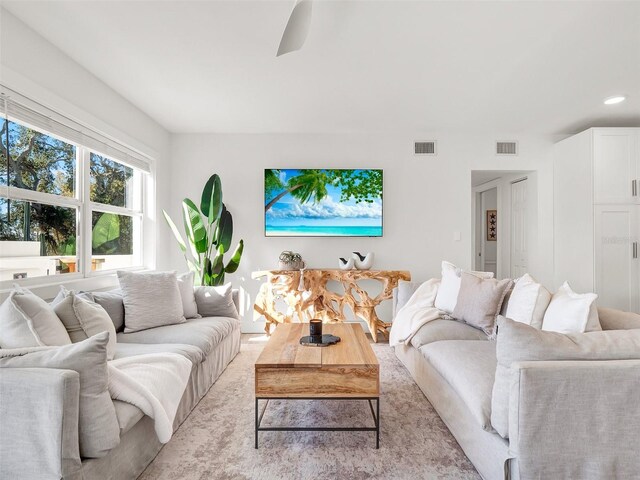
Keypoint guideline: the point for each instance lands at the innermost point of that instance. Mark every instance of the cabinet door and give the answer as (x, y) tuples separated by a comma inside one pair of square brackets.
[(615, 165), (616, 252)]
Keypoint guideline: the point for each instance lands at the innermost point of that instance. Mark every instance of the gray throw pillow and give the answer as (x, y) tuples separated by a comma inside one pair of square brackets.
[(113, 303), (150, 300), (479, 301), (97, 422), (84, 318), (26, 320), (216, 301), (519, 342), (189, 305)]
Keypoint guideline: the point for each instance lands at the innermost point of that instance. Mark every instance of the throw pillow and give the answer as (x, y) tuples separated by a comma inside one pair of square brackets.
[(97, 423), (570, 312), (479, 301), (528, 302), (150, 300), (450, 286), (518, 342), (189, 305), (26, 320), (216, 301), (83, 318), (113, 303)]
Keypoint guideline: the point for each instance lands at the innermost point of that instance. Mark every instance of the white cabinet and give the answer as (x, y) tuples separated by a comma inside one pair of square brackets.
[(615, 165), (597, 215), (616, 256)]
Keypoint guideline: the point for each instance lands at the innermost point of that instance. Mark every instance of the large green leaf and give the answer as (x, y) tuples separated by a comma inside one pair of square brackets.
[(211, 203), (176, 233), (234, 262), (195, 226), (218, 265), (225, 230), (106, 229)]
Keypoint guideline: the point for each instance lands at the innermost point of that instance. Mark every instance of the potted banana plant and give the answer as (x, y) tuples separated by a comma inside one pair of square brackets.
[(208, 231)]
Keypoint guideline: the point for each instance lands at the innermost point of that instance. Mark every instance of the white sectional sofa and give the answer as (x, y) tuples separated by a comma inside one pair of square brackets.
[(47, 440), (567, 419)]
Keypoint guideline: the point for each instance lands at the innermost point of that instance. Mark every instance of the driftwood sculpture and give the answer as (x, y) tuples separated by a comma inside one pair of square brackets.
[(310, 298)]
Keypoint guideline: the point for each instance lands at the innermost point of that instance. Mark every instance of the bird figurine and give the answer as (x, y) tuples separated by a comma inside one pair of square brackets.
[(345, 264), (363, 262)]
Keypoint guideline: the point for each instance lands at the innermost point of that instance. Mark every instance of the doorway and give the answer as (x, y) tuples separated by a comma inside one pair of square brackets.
[(487, 215)]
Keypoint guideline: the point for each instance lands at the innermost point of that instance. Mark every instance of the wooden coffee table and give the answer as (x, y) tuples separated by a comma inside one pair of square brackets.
[(348, 370)]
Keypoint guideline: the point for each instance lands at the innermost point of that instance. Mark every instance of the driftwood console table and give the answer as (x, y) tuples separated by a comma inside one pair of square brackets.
[(310, 298)]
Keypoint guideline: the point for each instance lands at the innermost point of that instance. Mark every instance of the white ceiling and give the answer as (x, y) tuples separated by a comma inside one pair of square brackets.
[(367, 66)]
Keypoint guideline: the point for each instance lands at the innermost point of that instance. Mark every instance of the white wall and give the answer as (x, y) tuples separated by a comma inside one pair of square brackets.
[(426, 199), (35, 68)]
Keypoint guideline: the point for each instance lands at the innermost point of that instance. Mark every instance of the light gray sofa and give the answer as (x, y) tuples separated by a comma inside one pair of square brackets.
[(564, 416), (43, 403)]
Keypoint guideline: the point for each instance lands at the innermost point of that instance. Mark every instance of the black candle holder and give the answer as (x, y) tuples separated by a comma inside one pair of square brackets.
[(315, 330)]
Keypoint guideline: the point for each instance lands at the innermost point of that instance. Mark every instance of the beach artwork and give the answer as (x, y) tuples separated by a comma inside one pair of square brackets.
[(316, 203)]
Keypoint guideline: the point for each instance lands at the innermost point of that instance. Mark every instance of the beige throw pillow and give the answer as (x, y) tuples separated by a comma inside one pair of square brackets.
[(449, 289), (479, 301), (83, 318)]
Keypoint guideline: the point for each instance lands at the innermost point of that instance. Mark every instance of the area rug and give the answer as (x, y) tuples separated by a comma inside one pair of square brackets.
[(217, 440)]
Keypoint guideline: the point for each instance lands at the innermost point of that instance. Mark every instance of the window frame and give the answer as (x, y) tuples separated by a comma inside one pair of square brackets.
[(81, 202)]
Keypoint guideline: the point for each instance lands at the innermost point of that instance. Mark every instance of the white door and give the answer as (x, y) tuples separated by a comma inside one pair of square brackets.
[(615, 166), (616, 256), (518, 234)]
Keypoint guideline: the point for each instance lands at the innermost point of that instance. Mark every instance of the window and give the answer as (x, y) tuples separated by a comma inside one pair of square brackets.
[(54, 193)]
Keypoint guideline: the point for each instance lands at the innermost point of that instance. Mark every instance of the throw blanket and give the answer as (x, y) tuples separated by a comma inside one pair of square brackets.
[(154, 383), (418, 311)]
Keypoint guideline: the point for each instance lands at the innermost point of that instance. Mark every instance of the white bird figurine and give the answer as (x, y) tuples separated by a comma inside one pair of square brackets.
[(363, 262), (345, 264)]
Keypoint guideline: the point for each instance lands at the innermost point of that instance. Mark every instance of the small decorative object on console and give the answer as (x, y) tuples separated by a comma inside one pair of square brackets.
[(363, 262), (345, 264), (290, 261)]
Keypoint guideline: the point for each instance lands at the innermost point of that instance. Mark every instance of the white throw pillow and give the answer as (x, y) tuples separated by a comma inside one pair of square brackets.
[(528, 302), (216, 301), (26, 320), (571, 312), (189, 305), (84, 318), (150, 300), (447, 296)]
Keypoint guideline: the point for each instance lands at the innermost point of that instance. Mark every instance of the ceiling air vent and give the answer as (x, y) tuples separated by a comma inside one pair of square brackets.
[(506, 148), (425, 148)]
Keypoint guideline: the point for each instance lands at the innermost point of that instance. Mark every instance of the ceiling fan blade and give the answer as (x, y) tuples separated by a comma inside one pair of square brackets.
[(295, 33)]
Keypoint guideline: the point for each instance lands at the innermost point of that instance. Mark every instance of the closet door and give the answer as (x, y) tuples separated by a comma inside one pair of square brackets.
[(615, 165), (616, 256)]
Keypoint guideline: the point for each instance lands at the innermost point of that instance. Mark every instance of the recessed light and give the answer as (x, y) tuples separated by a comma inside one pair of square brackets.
[(615, 99)]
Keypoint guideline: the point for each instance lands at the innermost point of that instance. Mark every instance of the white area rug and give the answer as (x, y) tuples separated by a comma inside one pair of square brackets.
[(217, 439)]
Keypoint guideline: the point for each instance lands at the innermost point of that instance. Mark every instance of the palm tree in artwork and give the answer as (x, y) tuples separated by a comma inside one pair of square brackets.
[(310, 184)]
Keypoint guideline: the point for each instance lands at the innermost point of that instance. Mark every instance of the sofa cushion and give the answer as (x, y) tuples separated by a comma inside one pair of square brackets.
[(26, 320), (437, 330), (216, 301), (83, 318), (151, 299), (124, 350), (469, 367), (113, 303), (612, 319), (518, 342), (571, 312), (479, 300), (187, 293), (447, 296), (97, 422), (528, 302), (204, 333)]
